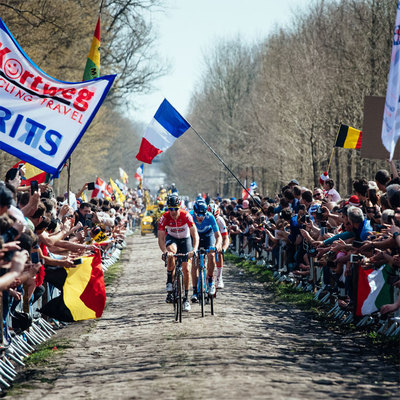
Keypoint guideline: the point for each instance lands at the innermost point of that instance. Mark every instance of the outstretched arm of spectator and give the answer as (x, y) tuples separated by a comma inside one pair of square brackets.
[(391, 307), (53, 240), (393, 169), (271, 237), (32, 205), (63, 263), (79, 194)]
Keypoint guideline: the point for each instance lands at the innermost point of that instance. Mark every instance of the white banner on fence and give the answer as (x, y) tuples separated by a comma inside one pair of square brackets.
[(391, 115), (42, 119)]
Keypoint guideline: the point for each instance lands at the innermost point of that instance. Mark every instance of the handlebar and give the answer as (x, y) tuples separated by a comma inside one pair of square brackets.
[(165, 256), (204, 251)]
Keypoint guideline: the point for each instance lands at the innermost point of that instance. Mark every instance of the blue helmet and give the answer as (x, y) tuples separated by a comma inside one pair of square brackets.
[(200, 207)]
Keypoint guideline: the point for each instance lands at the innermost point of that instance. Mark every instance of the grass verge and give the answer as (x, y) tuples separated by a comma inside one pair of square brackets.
[(113, 273)]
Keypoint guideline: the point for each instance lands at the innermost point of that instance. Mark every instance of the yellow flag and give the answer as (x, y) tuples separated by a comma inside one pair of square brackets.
[(119, 196)]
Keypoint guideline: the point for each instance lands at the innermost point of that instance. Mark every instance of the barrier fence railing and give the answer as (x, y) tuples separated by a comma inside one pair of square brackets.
[(19, 338), (276, 260)]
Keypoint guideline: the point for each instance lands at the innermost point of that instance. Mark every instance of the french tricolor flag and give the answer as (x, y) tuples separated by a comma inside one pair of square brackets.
[(139, 173), (166, 126)]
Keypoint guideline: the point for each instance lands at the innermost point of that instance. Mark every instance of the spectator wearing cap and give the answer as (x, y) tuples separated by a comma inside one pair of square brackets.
[(353, 201), (293, 182)]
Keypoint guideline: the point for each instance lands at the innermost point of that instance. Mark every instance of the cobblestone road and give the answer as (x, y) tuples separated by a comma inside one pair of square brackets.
[(252, 348)]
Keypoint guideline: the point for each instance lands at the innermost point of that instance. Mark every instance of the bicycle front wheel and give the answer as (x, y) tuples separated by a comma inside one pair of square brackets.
[(202, 292), (178, 298)]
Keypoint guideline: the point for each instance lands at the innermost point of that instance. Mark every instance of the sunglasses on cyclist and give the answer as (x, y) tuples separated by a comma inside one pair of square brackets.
[(173, 208), (200, 215)]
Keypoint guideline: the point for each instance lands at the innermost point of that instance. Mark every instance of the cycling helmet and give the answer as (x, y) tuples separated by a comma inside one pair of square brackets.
[(173, 200), (200, 207), (214, 209)]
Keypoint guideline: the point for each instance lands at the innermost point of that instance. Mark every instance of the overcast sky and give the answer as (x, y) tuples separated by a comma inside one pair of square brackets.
[(190, 27)]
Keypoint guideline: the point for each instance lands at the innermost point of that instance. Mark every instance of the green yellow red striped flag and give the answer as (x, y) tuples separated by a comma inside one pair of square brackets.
[(92, 69), (348, 137)]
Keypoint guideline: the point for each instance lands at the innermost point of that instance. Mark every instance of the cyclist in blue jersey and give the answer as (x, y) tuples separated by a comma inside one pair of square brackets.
[(210, 236)]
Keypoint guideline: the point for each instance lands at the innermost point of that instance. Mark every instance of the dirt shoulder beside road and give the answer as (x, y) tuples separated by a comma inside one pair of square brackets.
[(251, 348)]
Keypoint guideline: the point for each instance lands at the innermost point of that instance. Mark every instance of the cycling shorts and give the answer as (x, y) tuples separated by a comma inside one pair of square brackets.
[(206, 241), (183, 245)]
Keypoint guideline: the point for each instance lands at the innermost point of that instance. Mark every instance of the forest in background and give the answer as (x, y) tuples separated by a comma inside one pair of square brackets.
[(272, 109), (56, 35)]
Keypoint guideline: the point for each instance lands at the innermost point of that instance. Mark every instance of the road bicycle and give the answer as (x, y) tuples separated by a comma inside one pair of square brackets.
[(202, 287), (177, 285)]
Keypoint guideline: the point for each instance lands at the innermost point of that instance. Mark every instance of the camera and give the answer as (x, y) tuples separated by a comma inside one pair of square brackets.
[(90, 186), (77, 261), (34, 186), (88, 220), (355, 258), (319, 214), (35, 257)]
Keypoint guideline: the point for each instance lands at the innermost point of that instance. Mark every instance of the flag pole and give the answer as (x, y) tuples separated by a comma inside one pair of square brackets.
[(68, 179), (330, 159), (333, 149), (223, 163)]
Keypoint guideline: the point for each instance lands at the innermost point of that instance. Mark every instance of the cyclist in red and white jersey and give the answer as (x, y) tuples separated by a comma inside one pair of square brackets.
[(176, 231), (215, 210)]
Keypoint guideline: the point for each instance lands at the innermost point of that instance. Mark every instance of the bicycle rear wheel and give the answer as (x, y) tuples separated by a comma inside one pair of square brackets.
[(211, 297)]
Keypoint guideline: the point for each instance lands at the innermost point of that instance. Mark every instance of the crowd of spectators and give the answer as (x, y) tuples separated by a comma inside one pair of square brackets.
[(40, 231), (334, 231)]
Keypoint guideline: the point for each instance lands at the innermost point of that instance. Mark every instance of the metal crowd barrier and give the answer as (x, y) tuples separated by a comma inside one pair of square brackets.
[(17, 346), (388, 326)]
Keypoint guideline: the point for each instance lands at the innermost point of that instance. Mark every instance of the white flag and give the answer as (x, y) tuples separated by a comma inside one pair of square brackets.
[(42, 119), (391, 115)]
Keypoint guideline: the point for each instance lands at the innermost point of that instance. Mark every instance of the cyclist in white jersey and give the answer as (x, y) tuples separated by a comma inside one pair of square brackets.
[(215, 210)]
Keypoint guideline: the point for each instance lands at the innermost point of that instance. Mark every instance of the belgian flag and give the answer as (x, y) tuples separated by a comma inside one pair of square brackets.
[(348, 137), (83, 293)]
